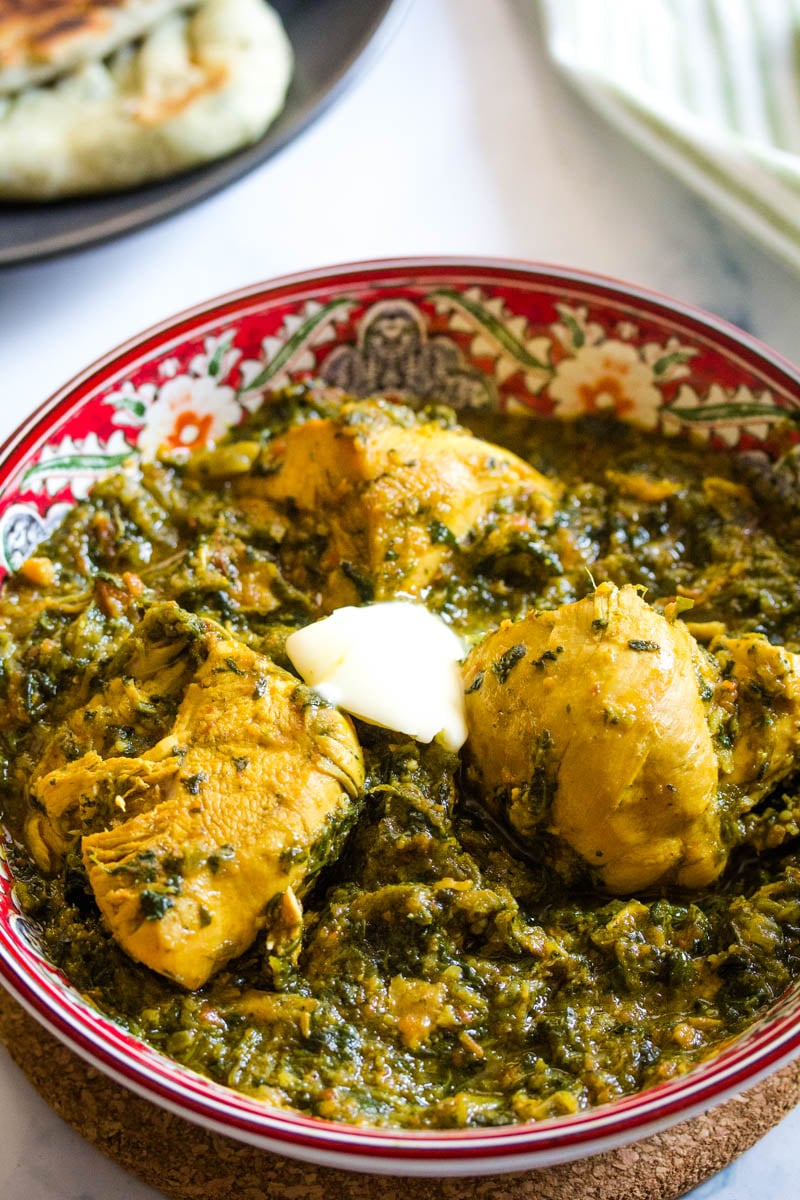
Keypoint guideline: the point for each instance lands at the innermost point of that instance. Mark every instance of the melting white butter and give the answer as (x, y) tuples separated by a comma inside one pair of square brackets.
[(392, 664)]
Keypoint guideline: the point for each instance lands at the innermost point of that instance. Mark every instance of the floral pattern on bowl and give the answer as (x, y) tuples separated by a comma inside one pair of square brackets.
[(551, 342), (492, 344)]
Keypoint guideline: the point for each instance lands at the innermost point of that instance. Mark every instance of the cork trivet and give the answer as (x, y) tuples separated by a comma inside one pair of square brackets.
[(186, 1162)]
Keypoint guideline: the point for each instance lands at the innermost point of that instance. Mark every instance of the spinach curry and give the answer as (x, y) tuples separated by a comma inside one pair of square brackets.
[(422, 950)]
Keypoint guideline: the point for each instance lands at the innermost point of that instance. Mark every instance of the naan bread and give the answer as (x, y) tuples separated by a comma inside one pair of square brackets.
[(198, 86), (40, 39)]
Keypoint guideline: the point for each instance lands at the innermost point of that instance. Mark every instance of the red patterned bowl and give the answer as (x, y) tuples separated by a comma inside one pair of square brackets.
[(479, 332)]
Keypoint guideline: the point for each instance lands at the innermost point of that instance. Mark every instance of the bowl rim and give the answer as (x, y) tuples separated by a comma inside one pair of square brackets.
[(512, 269), (760, 1051)]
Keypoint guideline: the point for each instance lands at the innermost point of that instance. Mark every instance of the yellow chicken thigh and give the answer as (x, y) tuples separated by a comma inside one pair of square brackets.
[(390, 496), (586, 725), (214, 832)]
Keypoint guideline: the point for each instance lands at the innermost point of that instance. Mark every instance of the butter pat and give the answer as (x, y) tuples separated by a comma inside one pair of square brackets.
[(395, 665)]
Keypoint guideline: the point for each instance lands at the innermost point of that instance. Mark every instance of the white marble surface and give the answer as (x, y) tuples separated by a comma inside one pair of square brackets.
[(459, 138)]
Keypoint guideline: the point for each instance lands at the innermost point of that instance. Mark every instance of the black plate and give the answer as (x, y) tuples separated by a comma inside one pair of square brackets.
[(328, 37)]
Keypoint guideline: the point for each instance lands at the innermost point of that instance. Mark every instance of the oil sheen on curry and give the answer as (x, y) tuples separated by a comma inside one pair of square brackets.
[(592, 894)]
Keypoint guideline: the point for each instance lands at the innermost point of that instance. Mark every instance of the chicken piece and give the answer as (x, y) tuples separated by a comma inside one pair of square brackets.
[(392, 497), (210, 835), (140, 691), (761, 689), (90, 793), (587, 724)]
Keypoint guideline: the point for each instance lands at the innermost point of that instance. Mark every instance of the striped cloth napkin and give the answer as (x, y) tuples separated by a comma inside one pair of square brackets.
[(709, 87)]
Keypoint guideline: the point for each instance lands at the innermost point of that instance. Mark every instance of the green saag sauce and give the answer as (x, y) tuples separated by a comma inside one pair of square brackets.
[(444, 979)]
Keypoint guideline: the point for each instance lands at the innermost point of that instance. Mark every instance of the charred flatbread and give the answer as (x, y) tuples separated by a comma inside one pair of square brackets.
[(197, 86), (40, 39)]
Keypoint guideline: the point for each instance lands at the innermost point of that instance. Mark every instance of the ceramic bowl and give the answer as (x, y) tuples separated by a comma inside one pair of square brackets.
[(492, 334)]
